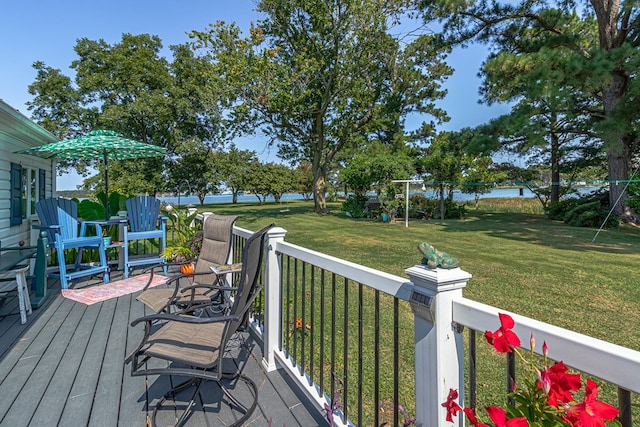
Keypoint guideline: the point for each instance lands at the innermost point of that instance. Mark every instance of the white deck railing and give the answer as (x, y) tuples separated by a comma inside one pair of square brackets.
[(440, 310)]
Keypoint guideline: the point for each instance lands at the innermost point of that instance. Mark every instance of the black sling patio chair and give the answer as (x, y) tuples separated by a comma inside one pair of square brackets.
[(187, 293), (196, 346)]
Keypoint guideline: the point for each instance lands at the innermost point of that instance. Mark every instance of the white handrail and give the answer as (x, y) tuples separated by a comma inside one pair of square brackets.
[(399, 287), (610, 362)]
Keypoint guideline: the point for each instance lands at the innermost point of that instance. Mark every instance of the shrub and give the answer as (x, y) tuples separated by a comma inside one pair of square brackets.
[(354, 205), (588, 211), (633, 199), (558, 210), (452, 210), (420, 206), (590, 214)]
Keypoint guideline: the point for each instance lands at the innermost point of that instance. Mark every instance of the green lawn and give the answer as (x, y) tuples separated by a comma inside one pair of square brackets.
[(520, 261)]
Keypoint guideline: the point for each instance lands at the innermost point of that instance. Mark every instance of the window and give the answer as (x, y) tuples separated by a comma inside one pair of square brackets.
[(29, 191), (27, 187)]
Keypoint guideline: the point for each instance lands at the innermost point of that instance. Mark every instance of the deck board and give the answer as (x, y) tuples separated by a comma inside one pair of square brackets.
[(67, 364), (53, 403)]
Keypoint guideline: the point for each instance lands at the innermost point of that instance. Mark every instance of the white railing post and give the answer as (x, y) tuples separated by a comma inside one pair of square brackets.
[(438, 346), (272, 299)]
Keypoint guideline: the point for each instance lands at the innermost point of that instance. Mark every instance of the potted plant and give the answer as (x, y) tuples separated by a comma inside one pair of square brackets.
[(186, 240)]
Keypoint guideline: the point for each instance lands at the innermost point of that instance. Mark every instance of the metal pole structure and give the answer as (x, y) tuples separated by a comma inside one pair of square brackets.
[(406, 201), (406, 208)]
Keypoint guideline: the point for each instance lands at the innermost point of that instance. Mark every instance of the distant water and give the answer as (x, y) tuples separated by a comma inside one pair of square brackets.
[(458, 196), (223, 198)]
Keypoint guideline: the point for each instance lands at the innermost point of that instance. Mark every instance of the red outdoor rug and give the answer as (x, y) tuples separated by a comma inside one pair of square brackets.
[(94, 294)]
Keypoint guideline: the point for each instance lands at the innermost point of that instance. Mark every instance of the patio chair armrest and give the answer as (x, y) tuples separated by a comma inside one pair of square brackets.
[(16, 248), (167, 264), (96, 224), (226, 268), (185, 319), (45, 227), (212, 287)]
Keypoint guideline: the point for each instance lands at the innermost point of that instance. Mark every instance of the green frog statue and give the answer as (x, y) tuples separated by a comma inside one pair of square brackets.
[(433, 258)]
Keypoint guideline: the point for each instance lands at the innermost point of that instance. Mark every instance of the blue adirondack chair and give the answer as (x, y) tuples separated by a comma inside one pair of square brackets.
[(144, 222), (59, 217)]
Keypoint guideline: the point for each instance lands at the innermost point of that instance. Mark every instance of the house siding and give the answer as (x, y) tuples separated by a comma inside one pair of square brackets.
[(17, 132)]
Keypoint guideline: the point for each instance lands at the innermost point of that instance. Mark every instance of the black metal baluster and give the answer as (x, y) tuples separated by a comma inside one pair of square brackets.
[(360, 339), (288, 305), (333, 338), (345, 355), (303, 315), (295, 311), (511, 376), (396, 362), (311, 322), (376, 359), (322, 325), (472, 369), (624, 405)]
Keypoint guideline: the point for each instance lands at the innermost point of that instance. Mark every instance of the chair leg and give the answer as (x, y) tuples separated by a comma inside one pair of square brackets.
[(247, 411), (79, 259), (23, 295), (125, 251), (193, 382), (197, 383), (62, 267), (103, 263)]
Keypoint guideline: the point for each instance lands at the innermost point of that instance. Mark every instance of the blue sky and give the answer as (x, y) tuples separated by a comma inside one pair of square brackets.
[(36, 30)]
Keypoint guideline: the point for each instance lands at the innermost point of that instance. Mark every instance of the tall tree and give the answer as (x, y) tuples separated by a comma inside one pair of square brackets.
[(304, 179), (196, 171), (608, 68), (376, 166), (234, 169), (550, 122), (444, 162), (130, 88), (269, 179), (316, 75)]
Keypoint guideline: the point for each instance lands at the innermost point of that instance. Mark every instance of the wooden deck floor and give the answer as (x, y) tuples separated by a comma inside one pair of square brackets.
[(66, 367)]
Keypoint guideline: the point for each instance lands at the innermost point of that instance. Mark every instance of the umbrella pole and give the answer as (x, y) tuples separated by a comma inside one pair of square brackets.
[(106, 187)]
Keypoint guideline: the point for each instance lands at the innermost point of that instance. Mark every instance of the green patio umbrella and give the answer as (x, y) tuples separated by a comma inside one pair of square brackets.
[(98, 144)]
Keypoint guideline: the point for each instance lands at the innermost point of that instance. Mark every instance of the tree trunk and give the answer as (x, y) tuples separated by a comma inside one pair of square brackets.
[(320, 203), (442, 205), (235, 196), (618, 167), (618, 145), (555, 168), (618, 151), (319, 167)]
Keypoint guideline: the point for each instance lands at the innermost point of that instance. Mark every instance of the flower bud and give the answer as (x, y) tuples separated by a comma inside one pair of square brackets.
[(532, 341)]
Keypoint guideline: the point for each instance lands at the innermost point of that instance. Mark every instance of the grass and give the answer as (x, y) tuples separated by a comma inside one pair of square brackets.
[(520, 262)]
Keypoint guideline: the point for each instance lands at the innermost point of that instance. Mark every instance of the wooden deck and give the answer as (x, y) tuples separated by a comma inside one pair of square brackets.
[(66, 367)]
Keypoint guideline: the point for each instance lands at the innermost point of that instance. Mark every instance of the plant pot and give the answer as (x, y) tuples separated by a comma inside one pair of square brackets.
[(187, 268)]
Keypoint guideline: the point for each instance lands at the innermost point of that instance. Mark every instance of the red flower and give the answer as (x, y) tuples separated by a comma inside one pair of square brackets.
[(591, 412), (451, 405), (559, 384), (471, 416), (504, 338), (499, 418)]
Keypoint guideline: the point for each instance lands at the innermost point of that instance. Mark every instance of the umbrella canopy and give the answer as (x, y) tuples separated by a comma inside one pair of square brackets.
[(98, 144)]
